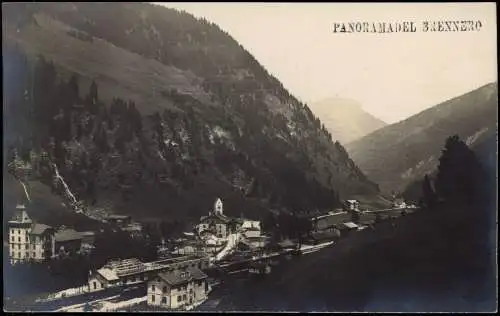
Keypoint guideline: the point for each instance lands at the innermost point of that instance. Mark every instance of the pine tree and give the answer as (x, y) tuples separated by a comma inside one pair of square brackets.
[(459, 173)]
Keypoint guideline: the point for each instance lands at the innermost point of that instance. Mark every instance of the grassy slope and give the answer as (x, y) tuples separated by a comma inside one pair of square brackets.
[(117, 71)]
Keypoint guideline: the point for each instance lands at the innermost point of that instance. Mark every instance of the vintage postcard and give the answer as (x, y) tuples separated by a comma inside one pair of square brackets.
[(251, 157)]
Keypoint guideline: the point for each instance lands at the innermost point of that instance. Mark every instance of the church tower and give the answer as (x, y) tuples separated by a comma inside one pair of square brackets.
[(218, 207)]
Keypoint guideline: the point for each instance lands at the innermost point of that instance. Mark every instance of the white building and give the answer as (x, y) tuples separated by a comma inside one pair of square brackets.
[(28, 240), (352, 205), (179, 289), (216, 222), (19, 235), (251, 228)]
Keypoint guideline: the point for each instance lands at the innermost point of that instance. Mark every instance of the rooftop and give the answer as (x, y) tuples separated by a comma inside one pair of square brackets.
[(257, 238), (20, 216), (179, 277), (87, 233), (108, 274), (67, 235), (116, 216), (39, 229), (351, 225), (216, 216), (286, 243)]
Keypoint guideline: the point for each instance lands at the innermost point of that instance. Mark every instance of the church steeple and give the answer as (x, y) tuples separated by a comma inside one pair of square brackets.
[(218, 208)]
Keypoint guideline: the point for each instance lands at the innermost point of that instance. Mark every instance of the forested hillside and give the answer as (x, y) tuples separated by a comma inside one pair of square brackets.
[(155, 112)]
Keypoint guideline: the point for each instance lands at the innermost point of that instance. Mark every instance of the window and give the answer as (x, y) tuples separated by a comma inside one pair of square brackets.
[(95, 285), (27, 239), (26, 246), (12, 238), (19, 239), (164, 300), (184, 297), (27, 254), (179, 298), (152, 298), (34, 254), (153, 288), (164, 289)]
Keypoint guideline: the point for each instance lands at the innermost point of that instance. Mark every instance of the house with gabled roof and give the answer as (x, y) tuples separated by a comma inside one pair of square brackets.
[(178, 289)]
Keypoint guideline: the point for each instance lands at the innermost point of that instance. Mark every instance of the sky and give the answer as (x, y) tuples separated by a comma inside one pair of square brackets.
[(393, 75)]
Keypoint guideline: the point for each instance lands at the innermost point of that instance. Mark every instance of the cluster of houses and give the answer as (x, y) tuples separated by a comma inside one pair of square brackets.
[(178, 280), (350, 217), (212, 232)]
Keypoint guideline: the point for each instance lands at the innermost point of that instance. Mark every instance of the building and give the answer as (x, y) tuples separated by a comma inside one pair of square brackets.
[(29, 241), (251, 228), (134, 230), (42, 242), (19, 235), (119, 220), (351, 205), (347, 228), (399, 203), (178, 289), (131, 271), (67, 241), (88, 237), (258, 241), (216, 222)]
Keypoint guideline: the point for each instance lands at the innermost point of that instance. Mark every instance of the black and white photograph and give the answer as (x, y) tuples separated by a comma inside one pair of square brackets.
[(250, 157)]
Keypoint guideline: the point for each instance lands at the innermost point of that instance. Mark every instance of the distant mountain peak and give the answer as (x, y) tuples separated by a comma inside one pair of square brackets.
[(345, 118)]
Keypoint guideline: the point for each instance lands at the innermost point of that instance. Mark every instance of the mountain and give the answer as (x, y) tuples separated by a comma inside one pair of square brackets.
[(401, 153), (345, 119), (156, 113)]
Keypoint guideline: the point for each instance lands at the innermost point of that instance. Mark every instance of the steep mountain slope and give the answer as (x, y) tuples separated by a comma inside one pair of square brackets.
[(204, 119), (345, 119), (401, 153)]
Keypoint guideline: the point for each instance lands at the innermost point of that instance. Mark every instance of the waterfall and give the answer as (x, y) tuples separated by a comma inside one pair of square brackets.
[(25, 191), (66, 188)]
